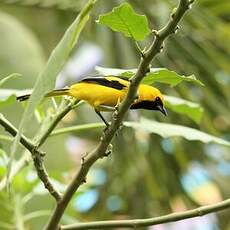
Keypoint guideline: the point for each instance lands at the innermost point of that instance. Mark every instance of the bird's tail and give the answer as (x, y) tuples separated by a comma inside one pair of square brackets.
[(54, 93)]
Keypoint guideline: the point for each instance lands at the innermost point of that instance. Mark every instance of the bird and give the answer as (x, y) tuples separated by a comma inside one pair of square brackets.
[(104, 93)]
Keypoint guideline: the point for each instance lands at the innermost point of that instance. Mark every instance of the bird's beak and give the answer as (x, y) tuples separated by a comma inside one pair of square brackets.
[(162, 109)]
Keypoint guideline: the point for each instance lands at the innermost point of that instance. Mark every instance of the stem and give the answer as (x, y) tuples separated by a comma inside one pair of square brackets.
[(77, 128), (203, 210), (118, 115), (61, 112)]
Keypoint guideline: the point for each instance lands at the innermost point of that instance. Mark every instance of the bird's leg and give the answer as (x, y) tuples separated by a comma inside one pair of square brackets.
[(116, 109), (102, 118), (116, 113)]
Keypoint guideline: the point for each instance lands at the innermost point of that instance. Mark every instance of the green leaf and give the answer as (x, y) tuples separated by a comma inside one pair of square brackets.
[(181, 106), (124, 19), (170, 130), (11, 76), (166, 76), (161, 75)]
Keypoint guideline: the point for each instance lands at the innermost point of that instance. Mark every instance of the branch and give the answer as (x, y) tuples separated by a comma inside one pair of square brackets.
[(118, 115), (36, 155), (33, 147), (13, 131), (203, 210), (26, 158)]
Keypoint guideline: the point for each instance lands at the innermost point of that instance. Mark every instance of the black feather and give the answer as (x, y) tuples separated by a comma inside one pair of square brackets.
[(149, 105), (23, 97), (105, 82)]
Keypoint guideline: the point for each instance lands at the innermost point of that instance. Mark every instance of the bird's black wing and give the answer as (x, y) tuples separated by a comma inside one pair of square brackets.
[(105, 82)]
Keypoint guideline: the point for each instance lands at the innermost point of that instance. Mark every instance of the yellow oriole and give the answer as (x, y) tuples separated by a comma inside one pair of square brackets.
[(104, 93)]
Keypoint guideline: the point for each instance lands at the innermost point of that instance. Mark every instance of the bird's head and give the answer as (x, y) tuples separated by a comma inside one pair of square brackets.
[(149, 98)]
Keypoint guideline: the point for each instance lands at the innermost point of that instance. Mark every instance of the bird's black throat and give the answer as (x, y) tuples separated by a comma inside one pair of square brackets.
[(150, 105)]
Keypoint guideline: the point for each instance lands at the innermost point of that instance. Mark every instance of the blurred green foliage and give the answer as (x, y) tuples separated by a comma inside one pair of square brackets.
[(145, 175)]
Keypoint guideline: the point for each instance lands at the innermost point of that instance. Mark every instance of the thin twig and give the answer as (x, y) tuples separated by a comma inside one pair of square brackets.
[(150, 221), (78, 128), (63, 109), (118, 115)]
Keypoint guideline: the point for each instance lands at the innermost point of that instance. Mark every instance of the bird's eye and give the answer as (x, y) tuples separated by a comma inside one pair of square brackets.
[(157, 98)]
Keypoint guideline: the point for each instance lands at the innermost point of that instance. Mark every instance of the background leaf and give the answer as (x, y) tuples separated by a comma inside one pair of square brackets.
[(166, 76), (181, 106), (170, 130), (124, 19)]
